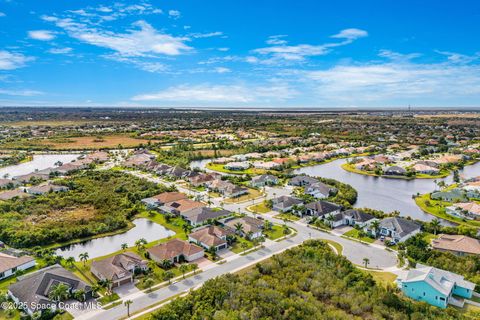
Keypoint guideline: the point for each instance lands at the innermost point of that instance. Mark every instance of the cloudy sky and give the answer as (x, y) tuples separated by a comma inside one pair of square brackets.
[(262, 53)]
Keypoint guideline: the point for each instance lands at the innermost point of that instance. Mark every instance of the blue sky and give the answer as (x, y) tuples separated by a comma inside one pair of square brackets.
[(240, 54)]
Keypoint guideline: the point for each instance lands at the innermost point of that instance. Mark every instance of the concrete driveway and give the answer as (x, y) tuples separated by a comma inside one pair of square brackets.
[(126, 289)]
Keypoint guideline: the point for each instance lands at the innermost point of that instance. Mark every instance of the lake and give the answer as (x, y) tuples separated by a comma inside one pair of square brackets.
[(39, 162), (384, 193), (144, 228)]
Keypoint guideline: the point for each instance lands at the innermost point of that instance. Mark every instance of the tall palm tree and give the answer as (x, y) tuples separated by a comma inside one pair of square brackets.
[(186, 227), (366, 261), (70, 261), (124, 246), (183, 269), (127, 304), (84, 257), (375, 225), (108, 283), (59, 292), (435, 224), (194, 268), (238, 228), (149, 282), (168, 275)]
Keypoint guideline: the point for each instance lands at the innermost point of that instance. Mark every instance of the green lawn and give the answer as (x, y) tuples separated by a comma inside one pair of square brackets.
[(259, 208), (287, 216), (221, 168), (252, 194), (276, 232), (106, 299), (354, 233), (437, 208), (383, 278), (237, 246), (336, 245)]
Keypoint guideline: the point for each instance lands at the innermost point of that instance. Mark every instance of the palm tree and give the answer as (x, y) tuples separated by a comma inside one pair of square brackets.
[(140, 245), (330, 219), (59, 292), (375, 225), (183, 269), (127, 304), (435, 224), (165, 264), (124, 246), (194, 268), (238, 228), (95, 288), (83, 257), (108, 283), (366, 261), (149, 282), (168, 275), (244, 246), (79, 295), (151, 265), (70, 261), (267, 225), (186, 228), (286, 230)]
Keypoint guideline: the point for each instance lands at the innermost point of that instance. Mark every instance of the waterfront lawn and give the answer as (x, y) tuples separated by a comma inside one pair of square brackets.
[(437, 208), (354, 233), (259, 208), (252, 194)]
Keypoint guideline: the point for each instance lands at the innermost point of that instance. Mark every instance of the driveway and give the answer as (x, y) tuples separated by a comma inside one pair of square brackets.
[(126, 289)]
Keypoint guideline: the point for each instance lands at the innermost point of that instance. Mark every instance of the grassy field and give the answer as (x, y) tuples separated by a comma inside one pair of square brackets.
[(287, 216), (259, 208), (354, 233), (221, 168), (437, 208), (383, 278), (336, 245), (252, 194), (77, 143), (237, 246), (275, 233)]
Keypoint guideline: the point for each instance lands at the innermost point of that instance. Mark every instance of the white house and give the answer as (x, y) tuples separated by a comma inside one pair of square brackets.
[(11, 264)]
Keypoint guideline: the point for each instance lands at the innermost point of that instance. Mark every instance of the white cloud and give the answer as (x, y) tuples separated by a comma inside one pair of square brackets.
[(280, 52), (224, 49), (60, 50), (395, 81), (206, 35), (42, 35), (22, 93), (222, 70), (12, 60), (144, 40), (276, 40), (2, 14), (350, 34), (455, 57), (174, 14), (225, 94)]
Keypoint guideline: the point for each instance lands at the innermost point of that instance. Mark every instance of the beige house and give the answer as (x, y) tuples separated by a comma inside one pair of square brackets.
[(174, 250), (119, 268)]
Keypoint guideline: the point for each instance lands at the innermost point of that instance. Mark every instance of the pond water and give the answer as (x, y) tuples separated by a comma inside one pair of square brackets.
[(383, 193), (378, 193), (144, 228), (39, 162)]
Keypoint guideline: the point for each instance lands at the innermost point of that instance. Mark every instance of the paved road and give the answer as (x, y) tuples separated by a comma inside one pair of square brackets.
[(352, 250)]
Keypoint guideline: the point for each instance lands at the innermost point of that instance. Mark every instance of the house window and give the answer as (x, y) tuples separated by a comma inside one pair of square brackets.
[(2, 274), (424, 294), (14, 269), (442, 298)]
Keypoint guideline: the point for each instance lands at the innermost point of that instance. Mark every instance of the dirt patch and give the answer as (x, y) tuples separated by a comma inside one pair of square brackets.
[(73, 215)]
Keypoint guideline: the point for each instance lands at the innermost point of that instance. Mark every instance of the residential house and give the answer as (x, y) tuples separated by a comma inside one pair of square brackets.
[(7, 183), (251, 227), (422, 168), (464, 210), (285, 203), (395, 171), (11, 264), (16, 193), (266, 165), (46, 188), (202, 179), (320, 190), (26, 178), (180, 206), (237, 166), (264, 180), (399, 229), (354, 217), (226, 188), (163, 198), (33, 289), (210, 236), (452, 195), (435, 286), (302, 180), (201, 215), (457, 244), (175, 251), (119, 268), (322, 209)]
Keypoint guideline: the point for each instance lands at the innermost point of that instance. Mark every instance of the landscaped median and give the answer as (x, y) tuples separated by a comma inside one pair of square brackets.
[(358, 235)]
